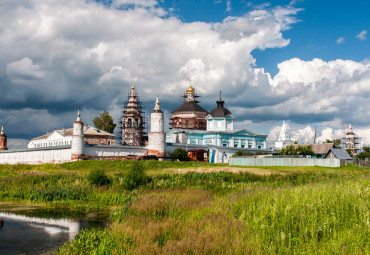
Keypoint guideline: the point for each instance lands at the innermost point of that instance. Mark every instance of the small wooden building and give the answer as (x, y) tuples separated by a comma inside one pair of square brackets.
[(197, 155)]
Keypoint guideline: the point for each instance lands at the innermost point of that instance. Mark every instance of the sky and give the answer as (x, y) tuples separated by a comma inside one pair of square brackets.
[(305, 62)]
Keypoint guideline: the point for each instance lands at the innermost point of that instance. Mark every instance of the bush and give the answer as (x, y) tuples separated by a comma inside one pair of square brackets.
[(135, 176), (179, 154), (242, 154), (98, 177)]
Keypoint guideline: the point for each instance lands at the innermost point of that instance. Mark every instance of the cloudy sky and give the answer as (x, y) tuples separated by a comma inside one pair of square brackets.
[(306, 62)]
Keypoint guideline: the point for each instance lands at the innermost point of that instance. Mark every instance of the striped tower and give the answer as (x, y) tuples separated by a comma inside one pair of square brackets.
[(77, 138), (157, 138), (3, 140)]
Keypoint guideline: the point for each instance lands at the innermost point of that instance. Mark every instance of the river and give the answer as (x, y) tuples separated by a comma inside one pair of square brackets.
[(28, 229)]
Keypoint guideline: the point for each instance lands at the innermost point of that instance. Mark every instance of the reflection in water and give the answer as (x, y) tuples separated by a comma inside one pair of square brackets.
[(27, 232)]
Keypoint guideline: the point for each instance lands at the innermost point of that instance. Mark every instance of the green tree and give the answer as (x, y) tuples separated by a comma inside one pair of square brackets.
[(349, 152), (336, 143), (289, 150), (179, 154), (241, 154), (105, 122), (305, 150), (366, 149)]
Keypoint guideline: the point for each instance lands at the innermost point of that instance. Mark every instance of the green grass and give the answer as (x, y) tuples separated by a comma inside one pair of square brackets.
[(305, 210)]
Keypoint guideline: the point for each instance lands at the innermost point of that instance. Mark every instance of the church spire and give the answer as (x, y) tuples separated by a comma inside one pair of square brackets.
[(157, 106), (78, 115)]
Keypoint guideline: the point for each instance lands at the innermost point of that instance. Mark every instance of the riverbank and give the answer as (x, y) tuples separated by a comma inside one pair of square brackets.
[(205, 208)]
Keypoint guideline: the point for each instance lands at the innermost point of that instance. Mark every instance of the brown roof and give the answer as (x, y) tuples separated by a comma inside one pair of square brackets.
[(87, 131), (318, 148)]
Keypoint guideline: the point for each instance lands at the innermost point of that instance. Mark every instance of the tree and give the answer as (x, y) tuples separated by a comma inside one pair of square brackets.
[(179, 154), (105, 122), (336, 143), (300, 150), (349, 152), (305, 150), (241, 154)]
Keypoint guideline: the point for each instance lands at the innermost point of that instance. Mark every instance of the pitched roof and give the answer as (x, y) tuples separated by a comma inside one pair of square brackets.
[(190, 106), (87, 131), (318, 148), (340, 154)]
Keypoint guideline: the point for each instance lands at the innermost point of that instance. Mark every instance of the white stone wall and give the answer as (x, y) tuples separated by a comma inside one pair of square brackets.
[(56, 155), (156, 122), (114, 151), (157, 141)]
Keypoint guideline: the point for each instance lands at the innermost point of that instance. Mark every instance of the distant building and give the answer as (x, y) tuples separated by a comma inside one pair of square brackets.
[(189, 115), (284, 138), (219, 137), (133, 124), (339, 154), (350, 141), (63, 137), (320, 150)]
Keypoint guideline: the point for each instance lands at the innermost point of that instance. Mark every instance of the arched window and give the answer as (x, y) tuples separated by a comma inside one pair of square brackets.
[(129, 123), (136, 122)]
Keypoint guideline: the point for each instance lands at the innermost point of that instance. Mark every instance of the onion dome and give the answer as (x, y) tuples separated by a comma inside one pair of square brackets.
[(190, 90), (220, 111)]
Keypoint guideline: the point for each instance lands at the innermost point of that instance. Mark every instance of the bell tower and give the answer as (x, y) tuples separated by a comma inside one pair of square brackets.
[(3, 140)]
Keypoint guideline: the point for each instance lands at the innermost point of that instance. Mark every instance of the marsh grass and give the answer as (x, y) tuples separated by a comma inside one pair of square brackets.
[(309, 210)]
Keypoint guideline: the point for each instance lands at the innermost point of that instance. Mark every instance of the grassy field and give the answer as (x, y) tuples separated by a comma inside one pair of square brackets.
[(193, 208)]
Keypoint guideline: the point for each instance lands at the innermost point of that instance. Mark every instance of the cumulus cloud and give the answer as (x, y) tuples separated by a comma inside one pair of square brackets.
[(340, 40), (362, 35), (83, 54)]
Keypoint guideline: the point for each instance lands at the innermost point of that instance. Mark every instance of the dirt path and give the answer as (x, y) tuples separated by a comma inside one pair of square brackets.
[(257, 171)]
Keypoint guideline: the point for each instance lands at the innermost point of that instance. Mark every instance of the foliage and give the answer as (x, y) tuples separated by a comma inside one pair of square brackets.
[(305, 150), (135, 176), (316, 211), (349, 152), (98, 177), (366, 148), (90, 241), (179, 154), (242, 154), (289, 150), (105, 122), (336, 143), (363, 155), (300, 150)]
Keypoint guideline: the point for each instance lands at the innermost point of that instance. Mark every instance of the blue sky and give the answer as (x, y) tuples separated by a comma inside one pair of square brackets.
[(321, 23), (305, 62)]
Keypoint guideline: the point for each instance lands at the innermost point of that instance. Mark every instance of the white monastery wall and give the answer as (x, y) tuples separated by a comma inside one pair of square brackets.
[(114, 151), (36, 156)]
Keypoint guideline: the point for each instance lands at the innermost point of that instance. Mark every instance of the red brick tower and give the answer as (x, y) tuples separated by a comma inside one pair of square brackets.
[(3, 140)]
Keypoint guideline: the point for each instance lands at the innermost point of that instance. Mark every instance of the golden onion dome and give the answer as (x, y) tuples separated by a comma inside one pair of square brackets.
[(190, 90)]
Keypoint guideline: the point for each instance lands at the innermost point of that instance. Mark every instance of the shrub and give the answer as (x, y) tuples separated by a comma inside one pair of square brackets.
[(98, 177), (241, 154), (135, 176), (179, 154)]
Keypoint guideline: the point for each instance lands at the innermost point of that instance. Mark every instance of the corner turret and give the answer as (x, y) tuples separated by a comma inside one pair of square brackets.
[(157, 137), (3, 140), (78, 141)]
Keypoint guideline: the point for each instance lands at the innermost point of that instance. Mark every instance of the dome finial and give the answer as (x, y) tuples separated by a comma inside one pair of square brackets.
[(220, 95), (157, 106), (2, 130), (78, 115), (133, 83), (190, 89)]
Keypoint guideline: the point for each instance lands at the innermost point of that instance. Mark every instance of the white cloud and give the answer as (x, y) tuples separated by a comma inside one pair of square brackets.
[(340, 40), (24, 71), (82, 54), (362, 35), (228, 5)]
